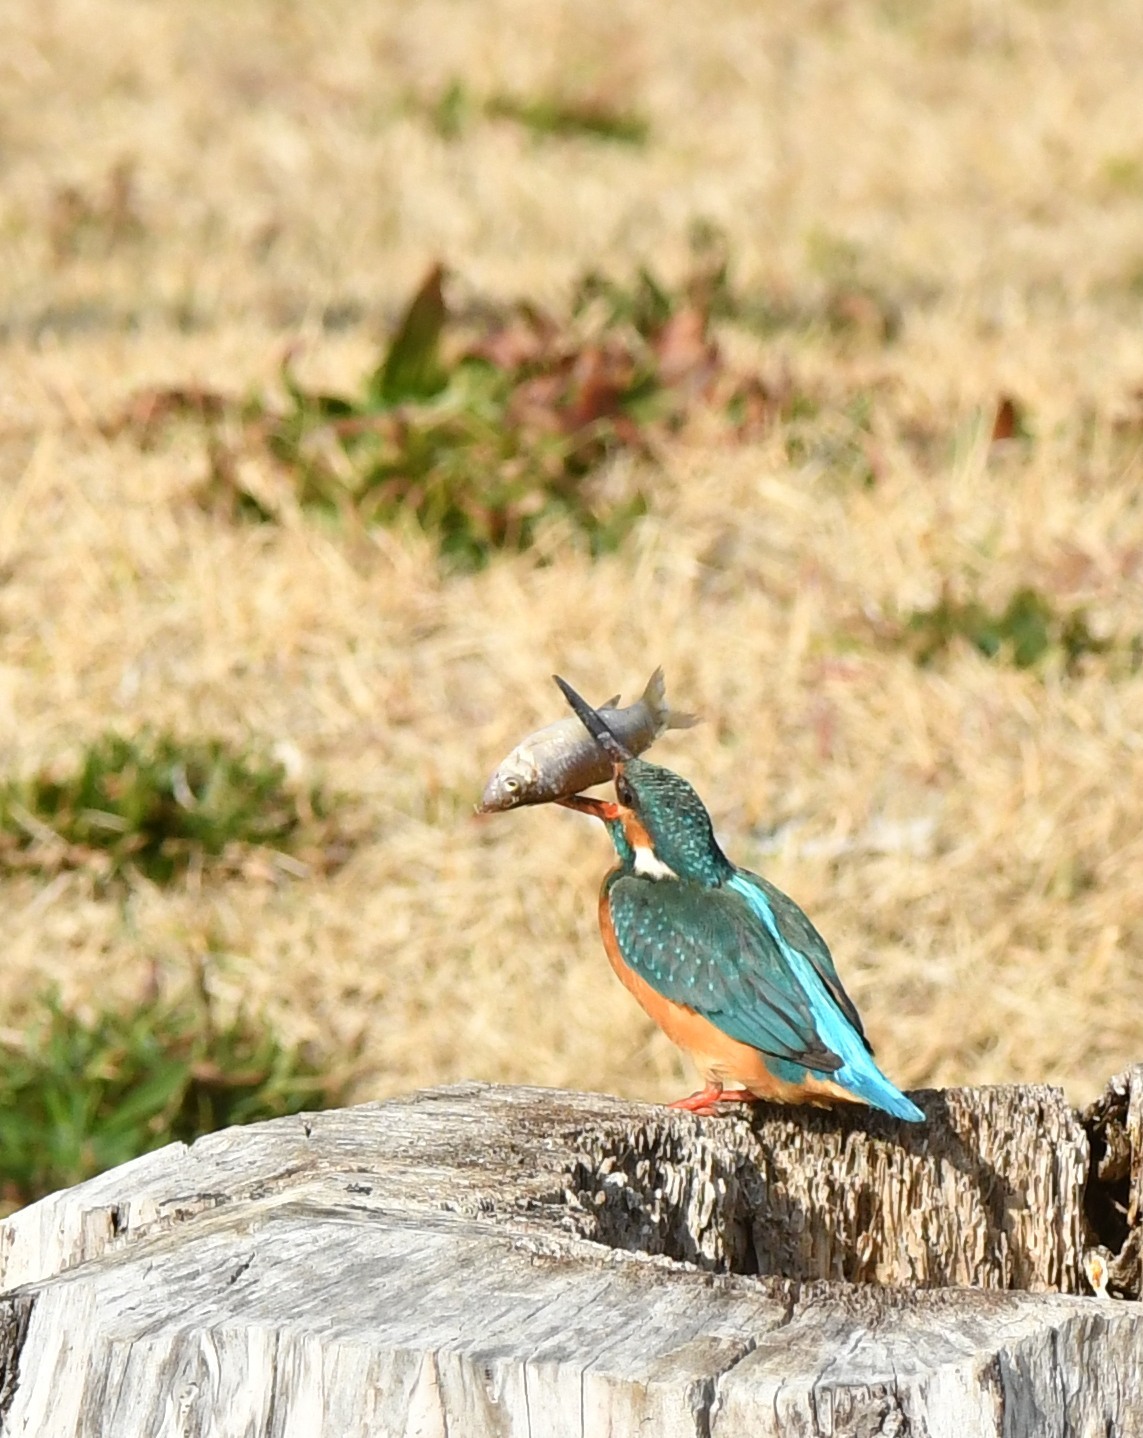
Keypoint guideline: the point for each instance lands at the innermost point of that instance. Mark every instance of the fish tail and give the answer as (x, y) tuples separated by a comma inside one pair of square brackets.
[(654, 697), (677, 719)]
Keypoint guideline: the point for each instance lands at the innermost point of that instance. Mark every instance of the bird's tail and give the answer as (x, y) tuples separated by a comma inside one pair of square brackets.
[(868, 1082), (858, 1073)]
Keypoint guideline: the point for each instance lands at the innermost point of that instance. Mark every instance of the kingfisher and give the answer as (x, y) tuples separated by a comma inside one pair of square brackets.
[(730, 969)]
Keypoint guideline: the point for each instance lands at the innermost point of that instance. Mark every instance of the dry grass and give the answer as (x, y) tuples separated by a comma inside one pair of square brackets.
[(976, 166)]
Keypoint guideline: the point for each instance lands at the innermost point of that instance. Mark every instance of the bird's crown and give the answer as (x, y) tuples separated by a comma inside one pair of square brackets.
[(675, 819)]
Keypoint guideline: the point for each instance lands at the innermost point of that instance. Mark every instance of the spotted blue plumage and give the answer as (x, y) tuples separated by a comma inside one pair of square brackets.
[(732, 947), (715, 960)]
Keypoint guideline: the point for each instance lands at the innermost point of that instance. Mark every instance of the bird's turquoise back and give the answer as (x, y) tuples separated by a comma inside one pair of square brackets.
[(704, 948), (727, 944)]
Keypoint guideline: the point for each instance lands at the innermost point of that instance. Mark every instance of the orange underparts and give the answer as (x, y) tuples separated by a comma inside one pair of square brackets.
[(733, 1072)]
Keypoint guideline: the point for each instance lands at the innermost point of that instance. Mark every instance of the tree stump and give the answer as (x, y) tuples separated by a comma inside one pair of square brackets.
[(481, 1261)]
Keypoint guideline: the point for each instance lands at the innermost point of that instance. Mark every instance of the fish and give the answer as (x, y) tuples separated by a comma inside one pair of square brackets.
[(561, 759)]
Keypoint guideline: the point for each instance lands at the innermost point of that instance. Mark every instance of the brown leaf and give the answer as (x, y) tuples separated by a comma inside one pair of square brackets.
[(758, 403), (861, 312), (535, 404), (1008, 422), (510, 348), (149, 409), (1073, 570), (600, 378), (528, 338), (686, 354)]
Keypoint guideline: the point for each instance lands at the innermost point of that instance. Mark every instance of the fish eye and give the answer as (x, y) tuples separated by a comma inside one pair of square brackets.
[(511, 783)]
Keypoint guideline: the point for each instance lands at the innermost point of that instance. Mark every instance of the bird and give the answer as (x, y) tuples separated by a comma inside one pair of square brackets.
[(728, 966)]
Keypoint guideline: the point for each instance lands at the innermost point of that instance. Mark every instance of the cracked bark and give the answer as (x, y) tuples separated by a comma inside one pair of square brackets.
[(480, 1261)]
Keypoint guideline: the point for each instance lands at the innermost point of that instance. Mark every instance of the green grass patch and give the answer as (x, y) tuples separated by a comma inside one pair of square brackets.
[(848, 301), (1028, 631), (836, 439), (481, 427), (593, 119), (484, 425), (456, 109), (158, 806), (480, 442), (79, 1095)]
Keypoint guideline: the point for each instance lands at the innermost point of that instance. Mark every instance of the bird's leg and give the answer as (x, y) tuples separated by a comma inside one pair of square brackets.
[(709, 1099), (703, 1102)]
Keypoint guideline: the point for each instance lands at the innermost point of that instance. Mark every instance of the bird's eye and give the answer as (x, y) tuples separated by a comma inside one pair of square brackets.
[(623, 790)]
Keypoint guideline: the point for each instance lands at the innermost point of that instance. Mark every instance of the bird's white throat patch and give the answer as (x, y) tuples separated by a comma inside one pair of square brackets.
[(650, 866)]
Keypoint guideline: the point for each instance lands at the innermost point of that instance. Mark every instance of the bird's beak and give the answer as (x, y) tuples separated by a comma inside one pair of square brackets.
[(590, 718), (599, 808)]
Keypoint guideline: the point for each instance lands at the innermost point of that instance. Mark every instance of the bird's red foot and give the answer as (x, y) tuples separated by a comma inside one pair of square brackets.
[(708, 1100), (702, 1102)]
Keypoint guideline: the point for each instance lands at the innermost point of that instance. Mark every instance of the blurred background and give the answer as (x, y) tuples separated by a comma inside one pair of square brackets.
[(363, 366)]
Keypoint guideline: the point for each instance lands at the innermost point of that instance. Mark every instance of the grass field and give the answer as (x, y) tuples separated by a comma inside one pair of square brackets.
[(935, 209)]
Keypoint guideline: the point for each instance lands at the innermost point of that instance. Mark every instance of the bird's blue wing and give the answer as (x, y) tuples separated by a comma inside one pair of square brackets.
[(804, 953), (793, 928), (707, 949), (746, 958)]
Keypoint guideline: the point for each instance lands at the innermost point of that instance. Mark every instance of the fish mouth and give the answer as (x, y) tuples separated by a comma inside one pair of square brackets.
[(495, 800), (498, 798)]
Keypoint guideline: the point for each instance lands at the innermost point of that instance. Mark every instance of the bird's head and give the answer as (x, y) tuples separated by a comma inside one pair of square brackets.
[(665, 827)]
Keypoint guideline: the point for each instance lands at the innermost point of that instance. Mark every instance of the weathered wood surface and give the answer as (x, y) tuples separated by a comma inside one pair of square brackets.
[(480, 1261), (1114, 1124)]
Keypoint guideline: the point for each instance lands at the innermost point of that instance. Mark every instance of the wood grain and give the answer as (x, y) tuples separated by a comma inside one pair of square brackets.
[(480, 1261)]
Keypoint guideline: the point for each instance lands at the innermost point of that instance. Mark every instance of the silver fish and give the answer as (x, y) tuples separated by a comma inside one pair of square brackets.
[(561, 759)]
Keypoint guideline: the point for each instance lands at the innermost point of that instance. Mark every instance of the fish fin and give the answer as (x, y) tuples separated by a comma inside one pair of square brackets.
[(677, 720), (654, 697), (612, 703), (662, 716)]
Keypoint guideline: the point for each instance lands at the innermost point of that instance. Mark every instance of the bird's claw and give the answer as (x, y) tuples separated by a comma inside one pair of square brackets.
[(709, 1101)]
